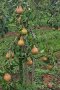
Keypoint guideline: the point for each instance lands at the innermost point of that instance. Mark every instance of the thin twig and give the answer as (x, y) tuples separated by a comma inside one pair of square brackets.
[(33, 34), (12, 43)]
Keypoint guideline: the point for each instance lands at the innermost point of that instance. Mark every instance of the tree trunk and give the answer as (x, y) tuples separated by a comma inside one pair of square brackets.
[(21, 70)]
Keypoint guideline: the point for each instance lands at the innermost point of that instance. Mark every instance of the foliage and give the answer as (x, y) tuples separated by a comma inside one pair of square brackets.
[(29, 76)]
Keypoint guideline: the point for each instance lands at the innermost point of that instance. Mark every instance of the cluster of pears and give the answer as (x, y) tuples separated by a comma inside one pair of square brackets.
[(34, 51), (7, 77), (10, 54), (19, 10), (21, 42)]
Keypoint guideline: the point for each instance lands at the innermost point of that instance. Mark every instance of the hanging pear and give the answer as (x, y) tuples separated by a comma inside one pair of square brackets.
[(34, 50), (21, 42), (24, 31), (7, 77), (19, 10)]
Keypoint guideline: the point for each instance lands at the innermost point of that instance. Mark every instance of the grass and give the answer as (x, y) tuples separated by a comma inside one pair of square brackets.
[(49, 37)]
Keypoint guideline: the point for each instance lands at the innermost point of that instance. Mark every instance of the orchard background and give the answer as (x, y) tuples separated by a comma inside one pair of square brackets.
[(30, 45)]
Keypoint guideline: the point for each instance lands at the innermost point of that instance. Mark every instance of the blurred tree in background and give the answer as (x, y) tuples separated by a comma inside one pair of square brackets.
[(41, 13)]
